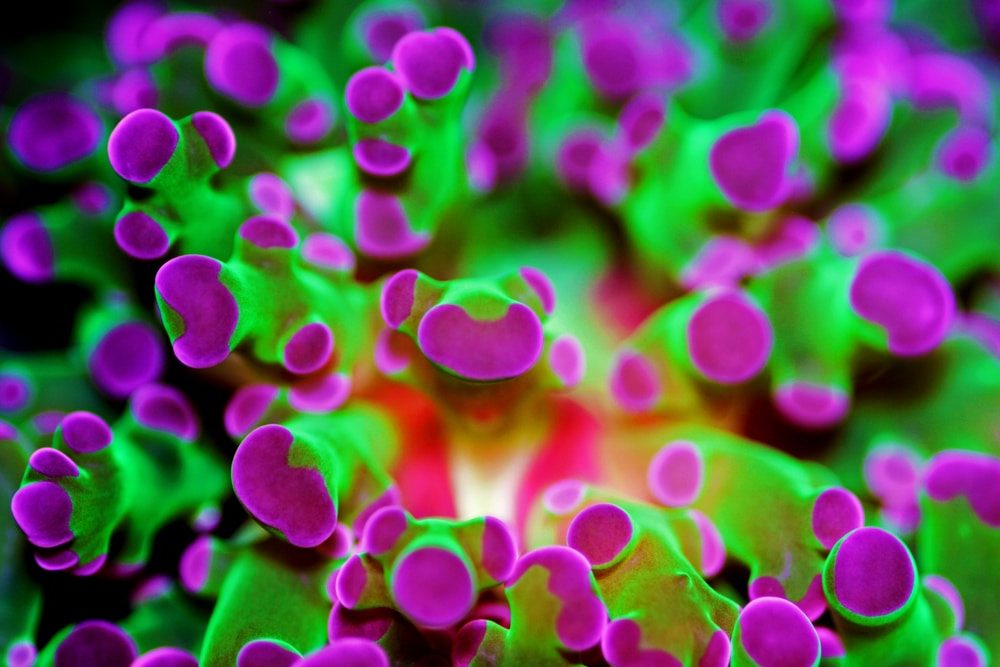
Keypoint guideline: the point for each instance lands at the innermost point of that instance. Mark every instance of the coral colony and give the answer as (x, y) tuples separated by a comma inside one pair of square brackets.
[(572, 332)]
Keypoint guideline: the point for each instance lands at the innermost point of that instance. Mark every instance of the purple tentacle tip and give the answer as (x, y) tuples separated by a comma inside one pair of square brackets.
[(383, 529), (308, 349), (542, 286), (195, 564), (85, 432), (309, 121), (26, 248), (835, 513), (52, 131), (567, 360), (324, 393), (271, 195), (382, 228), (613, 58), (381, 31), (267, 653), (483, 350), (964, 153), (140, 236), (563, 497), (166, 656), (267, 232), (601, 533), (775, 633), (859, 122), (217, 135), (946, 590), (240, 65), (429, 63), (327, 251), (742, 20), (15, 392), (961, 651), (750, 164), (641, 120), (347, 653), (207, 310), (676, 474), (713, 549), (141, 145), (374, 94), (433, 587), (126, 358), (96, 644), (247, 407), (622, 647), (854, 229), (635, 382), (42, 510), (53, 463), (397, 297), (164, 408), (378, 157), (873, 574), (499, 549), (21, 654), (907, 297), (811, 405), (970, 474), (729, 338), (292, 500)]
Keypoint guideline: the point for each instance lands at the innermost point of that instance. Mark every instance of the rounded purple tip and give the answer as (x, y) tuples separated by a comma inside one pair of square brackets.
[(217, 135), (85, 432), (971, 474), (15, 392), (542, 286), (52, 131), (964, 153), (308, 349), (291, 499), (870, 575), (613, 58), (429, 63), (163, 408), (166, 656), (127, 357), (729, 338), (382, 30), (483, 350), (383, 529), (961, 651), (309, 121), (347, 653), (322, 393), (141, 145), (601, 533), (327, 251), (835, 513), (855, 229), (722, 262), (26, 248), (125, 30), (750, 164), (140, 236), (92, 198), (946, 590), (907, 297), (397, 297), (499, 552), (205, 313), (374, 94), (53, 463), (57, 561), (43, 510), (378, 157), (133, 89), (267, 232), (622, 645), (859, 121), (433, 587), (96, 644), (635, 382), (641, 120), (775, 633), (567, 360), (713, 549), (271, 195), (382, 229), (742, 20), (267, 653), (676, 474), (21, 654), (247, 406), (240, 65), (810, 405), (576, 158), (892, 474), (195, 564)]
